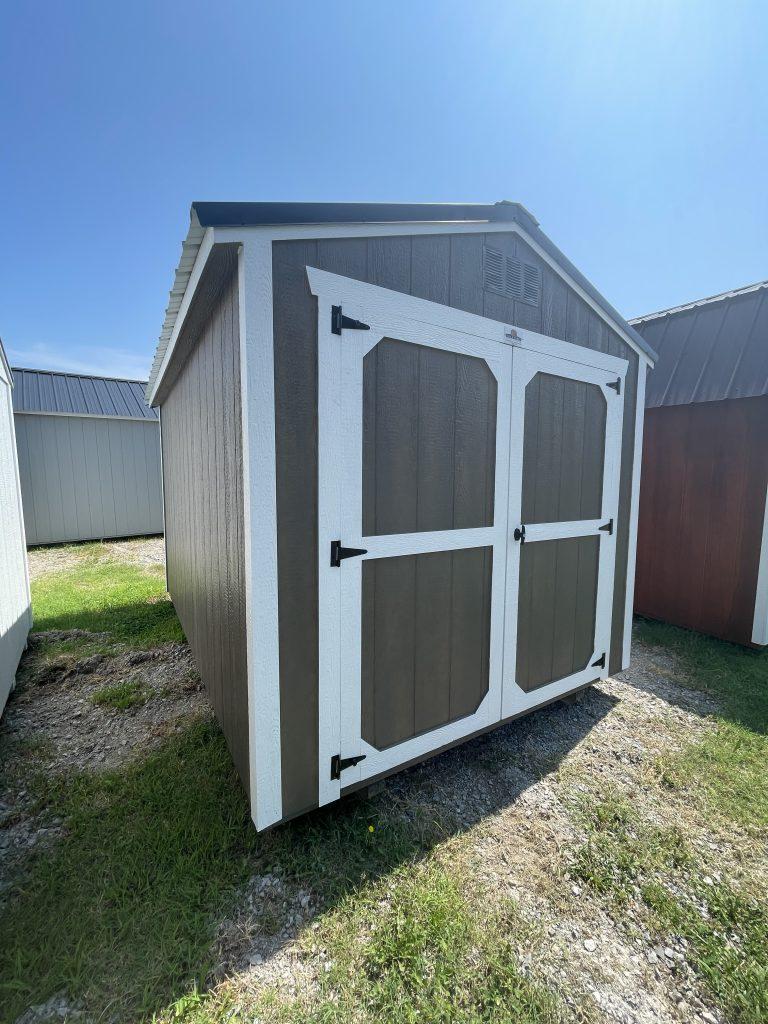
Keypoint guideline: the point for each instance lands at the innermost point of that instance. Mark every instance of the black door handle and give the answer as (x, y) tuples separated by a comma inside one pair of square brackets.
[(519, 534)]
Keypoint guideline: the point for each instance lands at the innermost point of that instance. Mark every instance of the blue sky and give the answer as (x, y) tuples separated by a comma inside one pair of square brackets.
[(636, 131)]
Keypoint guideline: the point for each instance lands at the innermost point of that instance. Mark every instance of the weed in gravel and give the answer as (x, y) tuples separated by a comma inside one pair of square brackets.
[(126, 602), (726, 931), (131, 693)]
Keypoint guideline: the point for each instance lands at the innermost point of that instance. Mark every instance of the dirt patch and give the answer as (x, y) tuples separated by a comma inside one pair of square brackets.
[(53, 723), (142, 551)]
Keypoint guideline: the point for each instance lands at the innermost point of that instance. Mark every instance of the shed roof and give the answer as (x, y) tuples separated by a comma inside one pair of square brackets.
[(709, 350), (211, 215), (75, 394)]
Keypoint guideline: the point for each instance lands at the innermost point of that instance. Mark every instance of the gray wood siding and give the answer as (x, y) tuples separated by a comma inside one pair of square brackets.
[(429, 440), (556, 610), (446, 269), (426, 622), (203, 477), (87, 478), (563, 450)]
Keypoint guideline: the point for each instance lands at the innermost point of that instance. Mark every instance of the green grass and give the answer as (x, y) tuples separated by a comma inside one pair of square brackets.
[(628, 858), (119, 913), (126, 602), (131, 693), (726, 770), (420, 946)]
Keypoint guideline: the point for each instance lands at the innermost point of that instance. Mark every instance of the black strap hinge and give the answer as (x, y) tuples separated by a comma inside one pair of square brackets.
[(616, 385), (607, 527), (600, 663), (339, 763), (338, 552), (340, 323)]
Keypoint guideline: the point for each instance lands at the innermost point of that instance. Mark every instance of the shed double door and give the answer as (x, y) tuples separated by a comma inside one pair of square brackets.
[(467, 504)]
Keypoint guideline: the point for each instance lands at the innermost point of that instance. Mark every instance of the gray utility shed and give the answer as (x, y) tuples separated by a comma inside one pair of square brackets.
[(89, 455), (401, 450), (15, 604)]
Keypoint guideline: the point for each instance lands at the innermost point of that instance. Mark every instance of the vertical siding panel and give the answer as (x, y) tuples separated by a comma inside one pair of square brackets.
[(467, 273), (202, 448), (431, 268)]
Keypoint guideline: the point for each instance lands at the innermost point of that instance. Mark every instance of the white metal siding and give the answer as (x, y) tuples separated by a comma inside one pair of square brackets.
[(15, 611), (88, 478)]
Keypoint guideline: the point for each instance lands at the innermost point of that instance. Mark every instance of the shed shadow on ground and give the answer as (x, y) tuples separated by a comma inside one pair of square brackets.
[(335, 851), (174, 876)]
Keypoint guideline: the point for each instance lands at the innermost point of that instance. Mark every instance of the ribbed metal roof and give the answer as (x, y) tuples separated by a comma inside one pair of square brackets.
[(709, 350), (220, 214), (74, 394)]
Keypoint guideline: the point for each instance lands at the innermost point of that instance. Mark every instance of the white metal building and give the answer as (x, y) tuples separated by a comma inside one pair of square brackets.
[(15, 604), (89, 457)]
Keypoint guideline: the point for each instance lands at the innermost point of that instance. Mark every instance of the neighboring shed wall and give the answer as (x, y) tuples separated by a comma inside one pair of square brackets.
[(442, 268), (89, 477), (15, 610), (203, 485), (702, 500)]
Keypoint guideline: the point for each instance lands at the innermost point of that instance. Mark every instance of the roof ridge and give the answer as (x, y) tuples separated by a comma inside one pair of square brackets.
[(732, 294), (71, 373)]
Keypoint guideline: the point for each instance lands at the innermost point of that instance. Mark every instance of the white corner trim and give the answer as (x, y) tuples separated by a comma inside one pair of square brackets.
[(634, 511), (194, 278), (760, 621), (257, 383)]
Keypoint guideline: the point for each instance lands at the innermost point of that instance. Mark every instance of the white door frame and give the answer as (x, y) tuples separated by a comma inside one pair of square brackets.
[(340, 444), (604, 373), (392, 314)]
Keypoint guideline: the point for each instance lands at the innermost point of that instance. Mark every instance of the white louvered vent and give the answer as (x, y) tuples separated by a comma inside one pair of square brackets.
[(510, 276), (493, 270)]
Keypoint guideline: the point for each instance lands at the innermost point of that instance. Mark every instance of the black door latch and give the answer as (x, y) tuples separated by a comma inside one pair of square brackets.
[(340, 323), (338, 552), (339, 763), (519, 533)]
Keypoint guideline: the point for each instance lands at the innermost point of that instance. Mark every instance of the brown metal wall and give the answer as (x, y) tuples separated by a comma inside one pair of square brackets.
[(442, 268), (203, 490), (702, 501)]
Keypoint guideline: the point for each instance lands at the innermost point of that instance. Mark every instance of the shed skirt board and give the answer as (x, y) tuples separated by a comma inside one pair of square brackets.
[(436, 436)]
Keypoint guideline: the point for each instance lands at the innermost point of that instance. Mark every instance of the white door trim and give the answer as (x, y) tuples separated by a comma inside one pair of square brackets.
[(340, 369), (525, 366), (408, 308)]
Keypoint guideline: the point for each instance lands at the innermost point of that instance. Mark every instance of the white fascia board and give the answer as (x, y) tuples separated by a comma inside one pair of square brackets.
[(194, 279)]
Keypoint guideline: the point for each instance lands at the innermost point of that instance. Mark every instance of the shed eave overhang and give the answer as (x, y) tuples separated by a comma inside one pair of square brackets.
[(212, 223)]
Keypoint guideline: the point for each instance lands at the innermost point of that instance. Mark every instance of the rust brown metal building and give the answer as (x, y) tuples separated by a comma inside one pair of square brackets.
[(702, 557), (400, 457)]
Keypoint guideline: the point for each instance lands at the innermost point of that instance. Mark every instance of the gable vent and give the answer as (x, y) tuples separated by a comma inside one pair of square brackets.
[(511, 277)]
